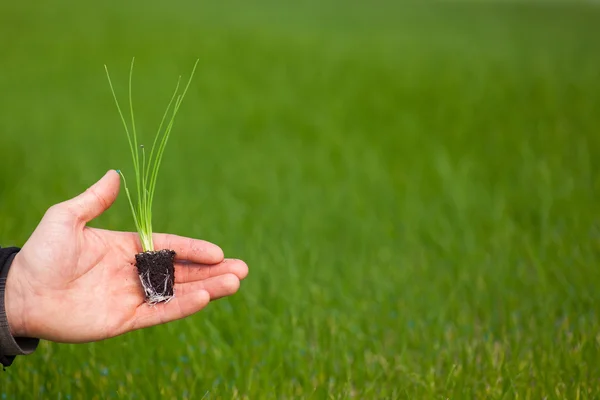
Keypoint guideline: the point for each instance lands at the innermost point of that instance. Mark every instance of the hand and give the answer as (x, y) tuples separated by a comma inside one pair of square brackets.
[(73, 284)]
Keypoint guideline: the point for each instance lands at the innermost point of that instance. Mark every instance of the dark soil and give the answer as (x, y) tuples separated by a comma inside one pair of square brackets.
[(157, 267)]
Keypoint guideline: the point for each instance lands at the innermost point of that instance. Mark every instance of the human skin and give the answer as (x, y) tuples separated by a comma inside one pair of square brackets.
[(72, 283)]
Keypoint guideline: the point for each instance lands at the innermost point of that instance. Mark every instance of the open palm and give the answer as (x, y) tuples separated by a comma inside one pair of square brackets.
[(72, 283)]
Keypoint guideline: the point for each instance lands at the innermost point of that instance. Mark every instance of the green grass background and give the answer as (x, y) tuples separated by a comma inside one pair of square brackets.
[(414, 187)]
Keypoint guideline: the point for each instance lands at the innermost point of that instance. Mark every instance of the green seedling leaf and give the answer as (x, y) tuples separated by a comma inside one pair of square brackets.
[(146, 172)]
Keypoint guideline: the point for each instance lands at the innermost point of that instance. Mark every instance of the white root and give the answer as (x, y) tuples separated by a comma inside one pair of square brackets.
[(152, 296)]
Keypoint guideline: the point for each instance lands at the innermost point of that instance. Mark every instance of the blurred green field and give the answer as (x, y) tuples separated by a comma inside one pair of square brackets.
[(413, 186)]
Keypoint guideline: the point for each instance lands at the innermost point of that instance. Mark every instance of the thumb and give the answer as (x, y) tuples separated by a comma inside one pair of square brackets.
[(97, 198)]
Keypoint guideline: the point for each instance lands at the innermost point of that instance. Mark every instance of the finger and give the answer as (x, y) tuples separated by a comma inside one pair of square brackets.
[(181, 306), (196, 272), (188, 249), (217, 287), (96, 199)]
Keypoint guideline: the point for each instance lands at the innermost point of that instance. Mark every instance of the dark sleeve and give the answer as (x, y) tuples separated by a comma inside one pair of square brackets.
[(10, 346)]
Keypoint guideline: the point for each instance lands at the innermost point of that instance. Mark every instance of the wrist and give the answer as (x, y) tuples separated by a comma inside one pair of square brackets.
[(14, 298)]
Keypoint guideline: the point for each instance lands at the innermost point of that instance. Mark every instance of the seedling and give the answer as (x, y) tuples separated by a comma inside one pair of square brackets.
[(155, 268)]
